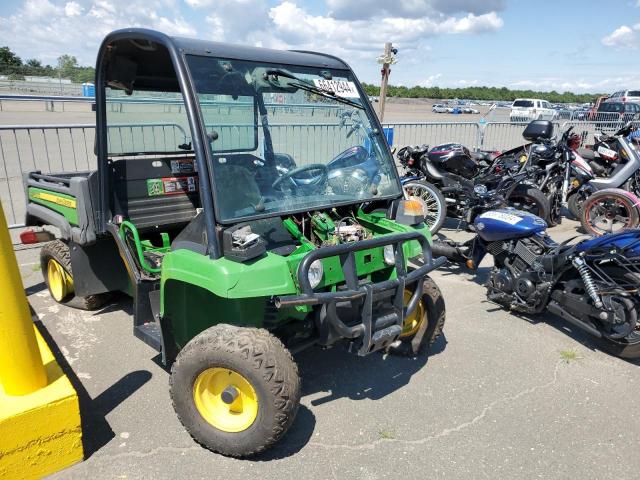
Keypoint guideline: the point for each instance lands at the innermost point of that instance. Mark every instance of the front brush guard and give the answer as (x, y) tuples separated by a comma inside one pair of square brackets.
[(374, 331)]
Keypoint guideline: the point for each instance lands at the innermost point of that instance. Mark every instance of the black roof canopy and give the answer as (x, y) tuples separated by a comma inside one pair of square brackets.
[(143, 59)]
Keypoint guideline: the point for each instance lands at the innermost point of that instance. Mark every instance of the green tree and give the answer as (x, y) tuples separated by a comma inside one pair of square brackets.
[(33, 63), (67, 65), (8, 58)]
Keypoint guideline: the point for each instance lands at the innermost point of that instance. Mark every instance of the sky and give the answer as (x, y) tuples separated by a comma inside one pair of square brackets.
[(563, 45)]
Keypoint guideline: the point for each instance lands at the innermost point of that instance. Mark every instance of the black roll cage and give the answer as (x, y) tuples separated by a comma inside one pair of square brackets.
[(177, 49)]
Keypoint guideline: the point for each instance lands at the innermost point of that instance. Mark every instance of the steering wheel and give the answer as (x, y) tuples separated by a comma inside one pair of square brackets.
[(310, 182)]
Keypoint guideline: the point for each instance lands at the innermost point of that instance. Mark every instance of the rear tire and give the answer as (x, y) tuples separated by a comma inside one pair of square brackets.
[(530, 199), (629, 346), (434, 201), (601, 209), (430, 326), (261, 370), (55, 263)]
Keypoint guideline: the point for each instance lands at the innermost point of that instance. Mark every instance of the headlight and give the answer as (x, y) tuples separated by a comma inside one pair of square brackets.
[(389, 255), (480, 189), (315, 273)]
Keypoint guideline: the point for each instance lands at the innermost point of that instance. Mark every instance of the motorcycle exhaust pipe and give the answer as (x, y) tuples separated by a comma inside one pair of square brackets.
[(555, 308), (444, 249)]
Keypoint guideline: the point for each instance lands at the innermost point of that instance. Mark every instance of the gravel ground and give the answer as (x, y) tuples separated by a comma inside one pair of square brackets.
[(499, 396)]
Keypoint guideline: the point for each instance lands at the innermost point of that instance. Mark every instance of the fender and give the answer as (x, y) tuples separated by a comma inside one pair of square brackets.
[(413, 178)]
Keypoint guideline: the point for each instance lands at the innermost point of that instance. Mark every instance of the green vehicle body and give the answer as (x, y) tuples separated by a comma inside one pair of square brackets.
[(193, 286), (192, 290)]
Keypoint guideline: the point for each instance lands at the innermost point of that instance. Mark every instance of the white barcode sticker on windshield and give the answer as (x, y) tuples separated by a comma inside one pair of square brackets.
[(341, 88), (502, 217)]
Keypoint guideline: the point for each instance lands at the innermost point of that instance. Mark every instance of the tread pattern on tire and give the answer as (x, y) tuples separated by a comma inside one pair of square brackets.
[(435, 307), (59, 251), (267, 356)]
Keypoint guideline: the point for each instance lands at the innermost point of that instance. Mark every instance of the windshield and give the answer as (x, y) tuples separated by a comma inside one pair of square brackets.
[(611, 107), (523, 103), (287, 138)]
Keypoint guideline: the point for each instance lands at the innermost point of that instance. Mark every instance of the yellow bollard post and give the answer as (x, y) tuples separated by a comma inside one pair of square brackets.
[(21, 369)]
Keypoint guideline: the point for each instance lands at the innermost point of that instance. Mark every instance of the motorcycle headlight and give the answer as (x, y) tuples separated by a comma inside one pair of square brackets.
[(480, 189), (315, 273), (389, 255)]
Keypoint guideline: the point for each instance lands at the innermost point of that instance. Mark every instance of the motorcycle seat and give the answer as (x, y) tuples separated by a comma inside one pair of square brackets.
[(587, 153), (433, 171)]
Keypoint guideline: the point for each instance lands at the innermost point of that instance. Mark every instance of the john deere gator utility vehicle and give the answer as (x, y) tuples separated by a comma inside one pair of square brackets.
[(247, 201)]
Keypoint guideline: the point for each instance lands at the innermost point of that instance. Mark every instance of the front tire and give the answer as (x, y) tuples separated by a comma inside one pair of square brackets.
[(236, 390), (423, 327)]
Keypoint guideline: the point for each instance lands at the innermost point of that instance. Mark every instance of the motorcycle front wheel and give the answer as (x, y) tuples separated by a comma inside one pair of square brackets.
[(608, 212), (434, 205)]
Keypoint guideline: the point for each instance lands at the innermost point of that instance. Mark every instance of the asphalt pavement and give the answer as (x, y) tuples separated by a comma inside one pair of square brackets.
[(499, 396)]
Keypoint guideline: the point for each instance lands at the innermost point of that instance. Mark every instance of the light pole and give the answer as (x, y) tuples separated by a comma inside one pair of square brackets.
[(386, 59)]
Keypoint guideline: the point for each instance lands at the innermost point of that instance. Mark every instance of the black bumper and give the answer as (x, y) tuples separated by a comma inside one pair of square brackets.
[(375, 330)]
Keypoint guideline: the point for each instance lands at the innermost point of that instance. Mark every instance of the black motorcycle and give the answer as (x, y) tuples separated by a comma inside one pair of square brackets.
[(594, 284), (456, 171)]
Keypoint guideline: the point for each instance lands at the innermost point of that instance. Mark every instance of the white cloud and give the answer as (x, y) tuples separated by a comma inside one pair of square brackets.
[(72, 9), (597, 84), (466, 83), (431, 80), (364, 9), (44, 29), (296, 26), (243, 21), (622, 37)]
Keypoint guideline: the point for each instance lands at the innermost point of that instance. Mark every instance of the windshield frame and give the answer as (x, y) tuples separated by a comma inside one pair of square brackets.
[(366, 107)]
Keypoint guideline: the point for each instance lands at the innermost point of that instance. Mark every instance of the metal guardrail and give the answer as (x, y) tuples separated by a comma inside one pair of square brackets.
[(125, 104), (52, 148)]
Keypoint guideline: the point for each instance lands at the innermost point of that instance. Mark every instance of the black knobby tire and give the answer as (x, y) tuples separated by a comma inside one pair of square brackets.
[(59, 251), (265, 363), (532, 197), (594, 201), (629, 346), (430, 329), (438, 197), (574, 205), (553, 196)]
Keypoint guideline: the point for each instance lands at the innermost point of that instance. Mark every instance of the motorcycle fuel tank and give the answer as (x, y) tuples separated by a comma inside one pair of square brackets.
[(507, 223)]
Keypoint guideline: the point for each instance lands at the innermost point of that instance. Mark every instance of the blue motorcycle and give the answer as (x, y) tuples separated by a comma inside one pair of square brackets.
[(594, 284)]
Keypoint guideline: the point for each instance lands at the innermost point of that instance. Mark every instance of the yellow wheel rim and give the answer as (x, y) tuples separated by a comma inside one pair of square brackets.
[(60, 282), (225, 399), (414, 321)]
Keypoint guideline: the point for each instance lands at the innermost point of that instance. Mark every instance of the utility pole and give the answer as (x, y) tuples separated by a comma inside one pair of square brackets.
[(60, 75), (386, 59)]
